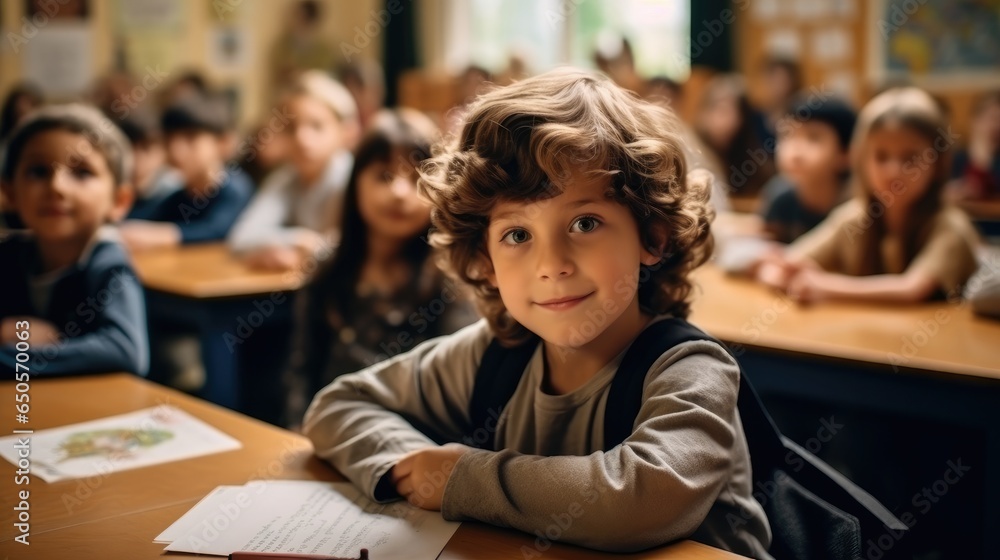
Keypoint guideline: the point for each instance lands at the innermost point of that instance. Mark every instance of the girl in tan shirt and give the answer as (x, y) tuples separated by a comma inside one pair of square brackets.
[(896, 241)]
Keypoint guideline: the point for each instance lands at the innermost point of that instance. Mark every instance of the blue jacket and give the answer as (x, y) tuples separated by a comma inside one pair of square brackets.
[(97, 305), (206, 218)]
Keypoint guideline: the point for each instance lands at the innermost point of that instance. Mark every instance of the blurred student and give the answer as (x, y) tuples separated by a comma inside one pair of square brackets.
[(976, 169), (782, 80), (897, 241), (366, 81), (198, 135), (983, 289), (152, 178), (669, 94), (814, 139), (471, 83), (724, 124), (562, 191), (381, 293), (298, 208), (68, 291), (263, 150), (20, 101)]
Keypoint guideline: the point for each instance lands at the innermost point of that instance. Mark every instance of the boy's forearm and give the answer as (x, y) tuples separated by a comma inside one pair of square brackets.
[(362, 440), (606, 501)]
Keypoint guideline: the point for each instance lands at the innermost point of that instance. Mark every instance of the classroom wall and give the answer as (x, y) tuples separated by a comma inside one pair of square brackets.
[(858, 20), (263, 21)]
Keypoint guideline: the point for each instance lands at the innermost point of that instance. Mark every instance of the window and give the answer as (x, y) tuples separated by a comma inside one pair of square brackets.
[(547, 33)]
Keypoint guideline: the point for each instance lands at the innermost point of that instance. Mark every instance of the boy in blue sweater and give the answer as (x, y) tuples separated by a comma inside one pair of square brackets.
[(70, 302), (198, 134)]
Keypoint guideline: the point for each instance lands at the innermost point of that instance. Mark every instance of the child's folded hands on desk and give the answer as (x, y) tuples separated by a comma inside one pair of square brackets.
[(140, 235), (40, 332), (421, 476)]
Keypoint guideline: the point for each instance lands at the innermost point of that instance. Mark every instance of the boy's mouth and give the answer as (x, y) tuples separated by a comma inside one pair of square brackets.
[(53, 212), (563, 303)]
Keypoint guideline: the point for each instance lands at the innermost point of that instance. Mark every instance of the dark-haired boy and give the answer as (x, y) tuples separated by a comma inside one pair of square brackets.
[(812, 157), (198, 135)]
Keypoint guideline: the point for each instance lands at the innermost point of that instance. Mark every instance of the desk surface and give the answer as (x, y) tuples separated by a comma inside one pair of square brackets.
[(937, 337), (208, 271), (117, 516)]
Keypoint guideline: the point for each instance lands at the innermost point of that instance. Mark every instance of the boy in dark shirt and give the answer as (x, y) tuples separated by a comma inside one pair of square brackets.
[(152, 179), (197, 130), (70, 302), (812, 158)]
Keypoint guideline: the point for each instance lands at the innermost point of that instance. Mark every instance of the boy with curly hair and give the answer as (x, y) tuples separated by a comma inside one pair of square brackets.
[(565, 206)]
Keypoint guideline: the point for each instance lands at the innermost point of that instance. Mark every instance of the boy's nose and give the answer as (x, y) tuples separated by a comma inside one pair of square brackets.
[(59, 180), (401, 186), (554, 261)]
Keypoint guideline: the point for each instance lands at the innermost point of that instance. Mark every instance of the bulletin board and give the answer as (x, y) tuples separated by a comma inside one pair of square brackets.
[(938, 44), (826, 37)]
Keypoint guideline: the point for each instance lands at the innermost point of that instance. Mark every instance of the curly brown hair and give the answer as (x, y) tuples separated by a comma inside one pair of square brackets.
[(518, 142)]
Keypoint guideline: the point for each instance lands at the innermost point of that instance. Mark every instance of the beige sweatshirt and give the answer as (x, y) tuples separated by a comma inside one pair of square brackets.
[(683, 473)]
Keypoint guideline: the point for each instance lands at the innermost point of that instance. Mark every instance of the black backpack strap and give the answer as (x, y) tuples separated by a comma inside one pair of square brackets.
[(625, 395), (499, 373)]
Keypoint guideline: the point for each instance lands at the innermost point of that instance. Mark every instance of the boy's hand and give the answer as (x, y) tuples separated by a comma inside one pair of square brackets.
[(140, 235), (420, 476), (40, 331), (274, 258)]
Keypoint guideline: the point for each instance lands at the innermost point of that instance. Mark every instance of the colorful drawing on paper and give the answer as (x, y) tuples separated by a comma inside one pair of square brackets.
[(112, 444)]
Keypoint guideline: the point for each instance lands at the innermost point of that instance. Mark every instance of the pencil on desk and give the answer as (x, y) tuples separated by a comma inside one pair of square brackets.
[(290, 556)]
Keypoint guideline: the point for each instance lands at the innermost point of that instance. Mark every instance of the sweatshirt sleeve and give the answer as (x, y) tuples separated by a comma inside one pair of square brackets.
[(656, 487), (364, 422), (824, 242), (116, 340), (214, 220), (263, 222)]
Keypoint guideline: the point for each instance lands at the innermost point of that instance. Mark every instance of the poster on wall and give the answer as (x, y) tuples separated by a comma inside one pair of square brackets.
[(937, 43), (59, 59), (151, 33), (64, 10)]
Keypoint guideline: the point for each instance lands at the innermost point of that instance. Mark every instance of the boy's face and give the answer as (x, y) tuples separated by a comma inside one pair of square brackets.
[(315, 132), (63, 188), (195, 153), (567, 267), (809, 154)]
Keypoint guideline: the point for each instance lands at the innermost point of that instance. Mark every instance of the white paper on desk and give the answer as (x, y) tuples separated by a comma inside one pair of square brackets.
[(319, 518), (100, 447), (217, 502)]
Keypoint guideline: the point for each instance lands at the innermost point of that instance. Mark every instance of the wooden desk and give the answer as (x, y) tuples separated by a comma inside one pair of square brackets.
[(913, 385), (126, 510), (936, 337), (208, 271), (205, 288)]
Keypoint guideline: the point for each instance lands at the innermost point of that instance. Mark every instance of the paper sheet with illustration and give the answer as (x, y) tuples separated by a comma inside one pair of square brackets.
[(307, 517), (100, 447)]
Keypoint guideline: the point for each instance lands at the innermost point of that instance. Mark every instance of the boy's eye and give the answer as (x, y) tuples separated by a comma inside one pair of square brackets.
[(585, 224), (515, 237), (82, 173), (37, 171)]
